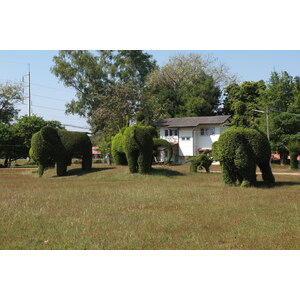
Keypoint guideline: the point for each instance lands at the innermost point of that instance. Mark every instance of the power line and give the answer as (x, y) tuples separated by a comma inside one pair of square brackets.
[(49, 98), (48, 87), (75, 126), (48, 108)]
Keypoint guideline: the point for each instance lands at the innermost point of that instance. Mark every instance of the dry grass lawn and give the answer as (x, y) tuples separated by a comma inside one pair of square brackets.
[(169, 209)]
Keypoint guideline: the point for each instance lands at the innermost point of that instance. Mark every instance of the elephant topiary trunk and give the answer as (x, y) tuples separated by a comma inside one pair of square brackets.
[(239, 150), (52, 146)]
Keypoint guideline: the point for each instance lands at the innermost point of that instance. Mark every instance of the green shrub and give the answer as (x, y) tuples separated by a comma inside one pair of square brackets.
[(239, 150), (157, 142), (203, 160)]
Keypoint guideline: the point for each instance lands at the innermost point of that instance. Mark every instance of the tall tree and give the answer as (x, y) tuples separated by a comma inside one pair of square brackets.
[(187, 85), (285, 128), (92, 75), (10, 94), (118, 107), (242, 101), (281, 91)]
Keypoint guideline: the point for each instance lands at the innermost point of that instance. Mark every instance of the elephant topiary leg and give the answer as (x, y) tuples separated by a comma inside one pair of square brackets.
[(41, 170), (132, 158), (145, 162), (229, 175), (119, 158), (61, 168), (266, 171), (86, 164)]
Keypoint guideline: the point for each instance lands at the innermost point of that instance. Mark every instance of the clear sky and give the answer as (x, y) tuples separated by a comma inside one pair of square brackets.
[(49, 95)]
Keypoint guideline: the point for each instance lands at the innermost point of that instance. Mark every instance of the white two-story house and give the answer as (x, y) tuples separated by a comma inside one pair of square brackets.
[(192, 135)]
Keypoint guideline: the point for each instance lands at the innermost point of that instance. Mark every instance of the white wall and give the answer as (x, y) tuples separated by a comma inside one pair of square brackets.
[(171, 139), (189, 147), (186, 142), (206, 141)]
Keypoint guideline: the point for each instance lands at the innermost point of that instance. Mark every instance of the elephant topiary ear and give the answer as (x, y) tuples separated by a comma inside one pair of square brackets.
[(50, 135), (52, 140)]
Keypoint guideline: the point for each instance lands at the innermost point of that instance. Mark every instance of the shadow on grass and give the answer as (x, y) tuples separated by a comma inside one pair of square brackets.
[(165, 172), (261, 184), (80, 172)]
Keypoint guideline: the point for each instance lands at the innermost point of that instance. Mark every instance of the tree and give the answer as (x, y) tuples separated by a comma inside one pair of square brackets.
[(10, 94), (26, 126), (285, 128), (295, 106), (281, 91), (118, 107), (187, 85), (15, 139), (242, 101), (93, 74)]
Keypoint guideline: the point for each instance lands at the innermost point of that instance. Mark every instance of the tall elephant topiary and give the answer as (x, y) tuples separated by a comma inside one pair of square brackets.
[(136, 142), (239, 151), (52, 146)]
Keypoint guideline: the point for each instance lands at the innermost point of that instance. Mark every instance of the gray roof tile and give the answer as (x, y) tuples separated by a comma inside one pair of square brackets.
[(191, 121)]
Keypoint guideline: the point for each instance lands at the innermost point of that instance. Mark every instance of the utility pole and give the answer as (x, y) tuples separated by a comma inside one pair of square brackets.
[(266, 112), (29, 92), (267, 121)]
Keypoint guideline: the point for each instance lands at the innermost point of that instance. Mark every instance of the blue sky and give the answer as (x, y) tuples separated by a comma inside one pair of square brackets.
[(49, 95)]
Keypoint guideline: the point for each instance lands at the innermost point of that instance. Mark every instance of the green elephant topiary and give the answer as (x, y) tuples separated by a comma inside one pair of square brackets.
[(239, 150), (50, 146), (203, 160), (133, 145)]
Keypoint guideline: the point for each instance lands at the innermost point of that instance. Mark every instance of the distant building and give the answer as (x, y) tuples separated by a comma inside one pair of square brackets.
[(192, 135)]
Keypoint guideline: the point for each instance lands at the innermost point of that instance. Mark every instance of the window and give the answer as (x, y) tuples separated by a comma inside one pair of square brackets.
[(207, 131), (166, 132), (171, 132), (185, 138), (175, 132)]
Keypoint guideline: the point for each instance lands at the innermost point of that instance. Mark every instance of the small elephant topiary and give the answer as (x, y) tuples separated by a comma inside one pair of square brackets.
[(51, 146), (239, 150), (133, 145), (203, 160), (157, 142)]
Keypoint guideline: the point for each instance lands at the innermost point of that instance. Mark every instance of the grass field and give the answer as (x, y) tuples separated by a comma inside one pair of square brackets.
[(109, 208)]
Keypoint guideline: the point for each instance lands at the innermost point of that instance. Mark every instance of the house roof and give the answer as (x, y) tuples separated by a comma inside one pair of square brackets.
[(191, 121)]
